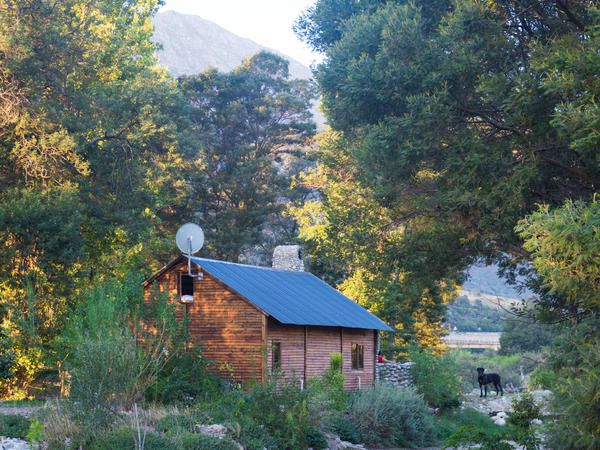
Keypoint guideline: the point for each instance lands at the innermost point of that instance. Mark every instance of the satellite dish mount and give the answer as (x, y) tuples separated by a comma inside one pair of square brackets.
[(190, 239)]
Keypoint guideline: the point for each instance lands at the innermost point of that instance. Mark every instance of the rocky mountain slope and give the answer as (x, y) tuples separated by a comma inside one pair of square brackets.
[(191, 44)]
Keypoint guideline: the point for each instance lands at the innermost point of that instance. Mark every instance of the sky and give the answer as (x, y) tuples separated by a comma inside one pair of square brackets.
[(266, 22)]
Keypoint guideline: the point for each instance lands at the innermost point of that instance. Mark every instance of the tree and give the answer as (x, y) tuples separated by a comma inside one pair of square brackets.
[(90, 136), (248, 122), (461, 115)]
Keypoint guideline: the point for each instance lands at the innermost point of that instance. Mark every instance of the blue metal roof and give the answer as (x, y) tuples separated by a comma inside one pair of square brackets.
[(291, 297)]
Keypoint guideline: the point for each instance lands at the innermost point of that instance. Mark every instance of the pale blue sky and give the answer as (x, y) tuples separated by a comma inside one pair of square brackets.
[(267, 22)]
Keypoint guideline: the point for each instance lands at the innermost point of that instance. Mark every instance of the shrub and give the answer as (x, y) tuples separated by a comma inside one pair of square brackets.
[(14, 426), (389, 416), (123, 439), (184, 379), (315, 438), (542, 378), (435, 377), (172, 421), (193, 441), (103, 380), (449, 422), (524, 410), (343, 427)]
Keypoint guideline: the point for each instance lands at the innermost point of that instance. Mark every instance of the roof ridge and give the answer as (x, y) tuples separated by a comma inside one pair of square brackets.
[(251, 266)]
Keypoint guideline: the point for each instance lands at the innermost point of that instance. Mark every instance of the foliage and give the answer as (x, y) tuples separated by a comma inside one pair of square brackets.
[(542, 378), (565, 244), (316, 439), (247, 121), (14, 426), (522, 334), (576, 362), (34, 434), (123, 439), (449, 422), (470, 435), (436, 379), (389, 416), (173, 421), (183, 379), (109, 370), (467, 315), (193, 441), (523, 411), (343, 427), (333, 382)]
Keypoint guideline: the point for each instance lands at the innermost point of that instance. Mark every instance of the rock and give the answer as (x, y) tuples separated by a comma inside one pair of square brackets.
[(536, 422), (502, 415), (216, 430), (500, 421), (13, 444), (335, 443)]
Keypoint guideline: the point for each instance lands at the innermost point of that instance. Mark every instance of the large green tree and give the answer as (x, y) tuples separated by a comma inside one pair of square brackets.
[(482, 115), (252, 124), (90, 135), (462, 114)]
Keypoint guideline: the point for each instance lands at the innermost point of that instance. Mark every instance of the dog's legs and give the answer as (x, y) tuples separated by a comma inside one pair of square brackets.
[(485, 390), (501, 390), (481, 390)]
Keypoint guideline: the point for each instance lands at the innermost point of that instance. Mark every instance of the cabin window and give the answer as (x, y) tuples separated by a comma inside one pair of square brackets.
[(275, 356), (358, 356), (186, 285)]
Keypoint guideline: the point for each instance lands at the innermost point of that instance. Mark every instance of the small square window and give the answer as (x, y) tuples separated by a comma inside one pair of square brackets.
[(358, 356), (275, 356), (186, 285)]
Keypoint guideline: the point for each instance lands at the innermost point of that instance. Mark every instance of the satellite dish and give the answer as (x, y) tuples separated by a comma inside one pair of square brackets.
[(189, 238)]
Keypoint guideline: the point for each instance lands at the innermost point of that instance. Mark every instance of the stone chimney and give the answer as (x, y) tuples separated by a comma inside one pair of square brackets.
[(288, 257)]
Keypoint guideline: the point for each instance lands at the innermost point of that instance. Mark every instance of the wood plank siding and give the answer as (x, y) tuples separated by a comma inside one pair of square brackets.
[(306, 351), (227, 328)]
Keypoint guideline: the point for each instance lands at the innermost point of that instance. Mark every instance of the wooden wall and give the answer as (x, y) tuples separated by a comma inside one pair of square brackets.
[(321, 342), (228, 329)]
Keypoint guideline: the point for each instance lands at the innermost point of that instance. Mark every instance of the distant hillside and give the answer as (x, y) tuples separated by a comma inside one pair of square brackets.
[(192, 44)]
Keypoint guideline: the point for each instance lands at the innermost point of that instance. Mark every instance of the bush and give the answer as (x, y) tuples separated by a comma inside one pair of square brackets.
[(315, 438), (123, 439), (343, 427), (542, 378), (435, 378), (193, 441), (175, 421), (389, 416), (524, 410), (449, 422), (103, 379), (14, 426), (184, 379)]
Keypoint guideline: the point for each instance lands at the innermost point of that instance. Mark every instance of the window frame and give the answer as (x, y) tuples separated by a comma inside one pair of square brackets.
[(191, 280), (357, 356), (275, 356)]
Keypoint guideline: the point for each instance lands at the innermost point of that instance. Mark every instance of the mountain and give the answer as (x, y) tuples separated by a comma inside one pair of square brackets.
[(191, 44)]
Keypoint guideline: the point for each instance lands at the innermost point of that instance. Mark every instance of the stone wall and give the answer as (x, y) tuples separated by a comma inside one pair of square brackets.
[(399, 374)]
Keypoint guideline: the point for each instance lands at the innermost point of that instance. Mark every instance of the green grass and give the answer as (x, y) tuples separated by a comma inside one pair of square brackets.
[(447, 423)]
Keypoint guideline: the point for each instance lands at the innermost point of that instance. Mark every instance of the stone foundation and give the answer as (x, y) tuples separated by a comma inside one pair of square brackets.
[(398, 374)]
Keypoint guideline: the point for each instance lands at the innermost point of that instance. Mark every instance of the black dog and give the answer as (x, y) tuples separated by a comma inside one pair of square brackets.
[(488, 378)]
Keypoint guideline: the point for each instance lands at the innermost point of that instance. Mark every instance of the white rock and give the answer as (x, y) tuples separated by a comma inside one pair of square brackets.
[(502, 415), (500, 421), (216, 430), (536, 422)]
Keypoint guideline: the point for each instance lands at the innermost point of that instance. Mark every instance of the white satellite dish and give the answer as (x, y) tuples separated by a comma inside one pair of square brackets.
[(190, 239)]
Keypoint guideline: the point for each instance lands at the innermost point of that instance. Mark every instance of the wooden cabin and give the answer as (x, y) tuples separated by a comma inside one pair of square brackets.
[(251, 320)]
